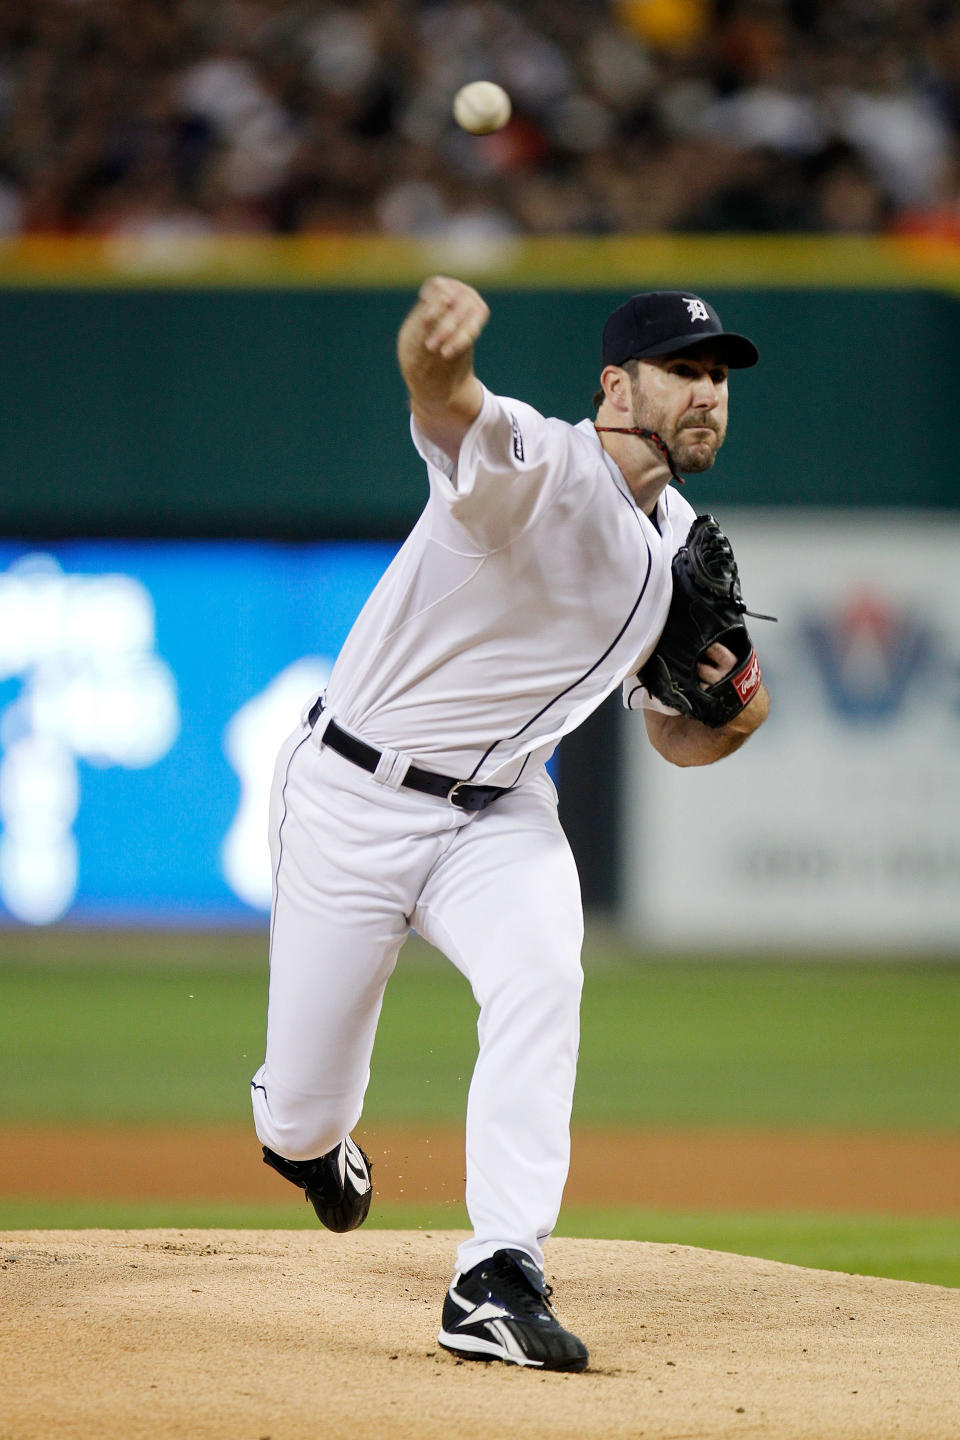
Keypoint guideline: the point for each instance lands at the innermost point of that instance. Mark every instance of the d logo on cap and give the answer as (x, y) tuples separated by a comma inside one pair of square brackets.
[(667, 322)]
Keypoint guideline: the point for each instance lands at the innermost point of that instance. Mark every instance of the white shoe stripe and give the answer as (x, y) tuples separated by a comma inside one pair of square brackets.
[(353, 1162), (487, 1311), (509, 1341), (474, 1345)]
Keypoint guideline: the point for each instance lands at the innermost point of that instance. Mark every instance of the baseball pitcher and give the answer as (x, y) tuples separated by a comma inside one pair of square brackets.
[(552, 563)]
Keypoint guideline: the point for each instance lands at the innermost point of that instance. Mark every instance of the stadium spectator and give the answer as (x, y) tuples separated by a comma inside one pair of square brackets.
[(171, 117)]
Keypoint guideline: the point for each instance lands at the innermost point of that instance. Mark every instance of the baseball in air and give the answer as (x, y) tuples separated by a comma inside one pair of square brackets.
[(481, 107)]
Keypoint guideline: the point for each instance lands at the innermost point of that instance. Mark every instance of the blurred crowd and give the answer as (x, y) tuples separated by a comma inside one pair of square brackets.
[(169, 117)]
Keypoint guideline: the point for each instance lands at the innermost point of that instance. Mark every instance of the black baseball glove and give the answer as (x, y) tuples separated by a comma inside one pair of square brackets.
[(706, 607)]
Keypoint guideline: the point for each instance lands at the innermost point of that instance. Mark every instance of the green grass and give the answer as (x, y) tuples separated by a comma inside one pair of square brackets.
[(162, 1029), (149, 1035), (215, 1215), (792, 1045), (167, 1029), (926, 1249), (900, 1249)]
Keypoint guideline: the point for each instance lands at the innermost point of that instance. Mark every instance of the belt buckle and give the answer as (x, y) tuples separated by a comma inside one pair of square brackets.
[(452, 794)]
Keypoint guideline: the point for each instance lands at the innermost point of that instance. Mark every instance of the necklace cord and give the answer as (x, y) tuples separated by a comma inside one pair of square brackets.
[(654, 439)]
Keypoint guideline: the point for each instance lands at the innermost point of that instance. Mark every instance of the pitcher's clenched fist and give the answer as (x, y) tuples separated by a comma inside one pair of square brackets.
[(435, 351), (452, 315)]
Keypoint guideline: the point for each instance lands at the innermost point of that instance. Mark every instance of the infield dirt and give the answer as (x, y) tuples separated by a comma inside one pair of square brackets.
[(829, 1171), (285, 1335)]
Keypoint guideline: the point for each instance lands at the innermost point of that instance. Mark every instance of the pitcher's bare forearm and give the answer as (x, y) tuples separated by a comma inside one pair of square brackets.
[(435, 353), (684, 741)]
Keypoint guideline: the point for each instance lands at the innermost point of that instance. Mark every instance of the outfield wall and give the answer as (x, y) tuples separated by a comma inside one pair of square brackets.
[(185, 392), (248, 388)]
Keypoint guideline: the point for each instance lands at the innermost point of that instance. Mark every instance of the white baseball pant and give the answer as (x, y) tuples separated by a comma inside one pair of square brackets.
[(356, 865)]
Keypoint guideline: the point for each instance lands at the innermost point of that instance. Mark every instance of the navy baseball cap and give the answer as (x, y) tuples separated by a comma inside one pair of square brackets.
[(668, 322)]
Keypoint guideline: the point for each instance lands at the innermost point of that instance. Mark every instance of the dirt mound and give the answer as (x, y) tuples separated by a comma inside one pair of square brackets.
[(291, 1335)]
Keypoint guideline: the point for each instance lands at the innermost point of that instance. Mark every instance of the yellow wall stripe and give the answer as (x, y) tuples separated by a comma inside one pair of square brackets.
[(540, 262)]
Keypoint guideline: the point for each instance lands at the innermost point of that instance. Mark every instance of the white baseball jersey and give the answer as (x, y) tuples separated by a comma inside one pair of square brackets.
[(530, 588)]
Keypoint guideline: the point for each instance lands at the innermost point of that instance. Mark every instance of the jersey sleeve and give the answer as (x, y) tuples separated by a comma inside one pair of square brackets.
[(512, 465), (637, 697)]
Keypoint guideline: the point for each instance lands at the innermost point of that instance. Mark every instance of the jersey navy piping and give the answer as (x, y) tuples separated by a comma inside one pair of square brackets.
[(276, 877), (599, 661), (653, 517)]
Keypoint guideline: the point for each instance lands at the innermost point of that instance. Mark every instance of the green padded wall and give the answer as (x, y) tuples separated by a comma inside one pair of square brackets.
[(279, 412)]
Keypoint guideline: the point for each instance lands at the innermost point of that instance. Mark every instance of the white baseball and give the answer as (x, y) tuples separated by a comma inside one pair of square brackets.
[(481, 107)]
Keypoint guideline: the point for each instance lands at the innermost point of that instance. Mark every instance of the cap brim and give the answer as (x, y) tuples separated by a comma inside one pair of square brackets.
[(734, 350)]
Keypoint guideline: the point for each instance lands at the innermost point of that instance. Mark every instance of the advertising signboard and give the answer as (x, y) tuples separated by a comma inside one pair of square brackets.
[(837, 826)]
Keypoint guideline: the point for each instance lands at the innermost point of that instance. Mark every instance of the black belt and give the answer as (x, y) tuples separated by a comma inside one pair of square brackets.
[(445, 787)]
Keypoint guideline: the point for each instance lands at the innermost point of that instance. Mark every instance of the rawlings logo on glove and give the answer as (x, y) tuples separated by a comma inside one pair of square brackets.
[(707, 608), (746, 681)]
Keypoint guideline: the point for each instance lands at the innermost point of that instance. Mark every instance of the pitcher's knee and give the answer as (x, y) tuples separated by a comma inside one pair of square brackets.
[(549, 981), (297, 1126), (562, 983)]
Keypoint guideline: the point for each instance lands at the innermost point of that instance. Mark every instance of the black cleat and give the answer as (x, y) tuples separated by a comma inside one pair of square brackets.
[(337, 1184), (500, 1310)]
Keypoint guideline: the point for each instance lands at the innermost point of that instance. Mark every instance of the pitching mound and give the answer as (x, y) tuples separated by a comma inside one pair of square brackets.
[(293, 1335)]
